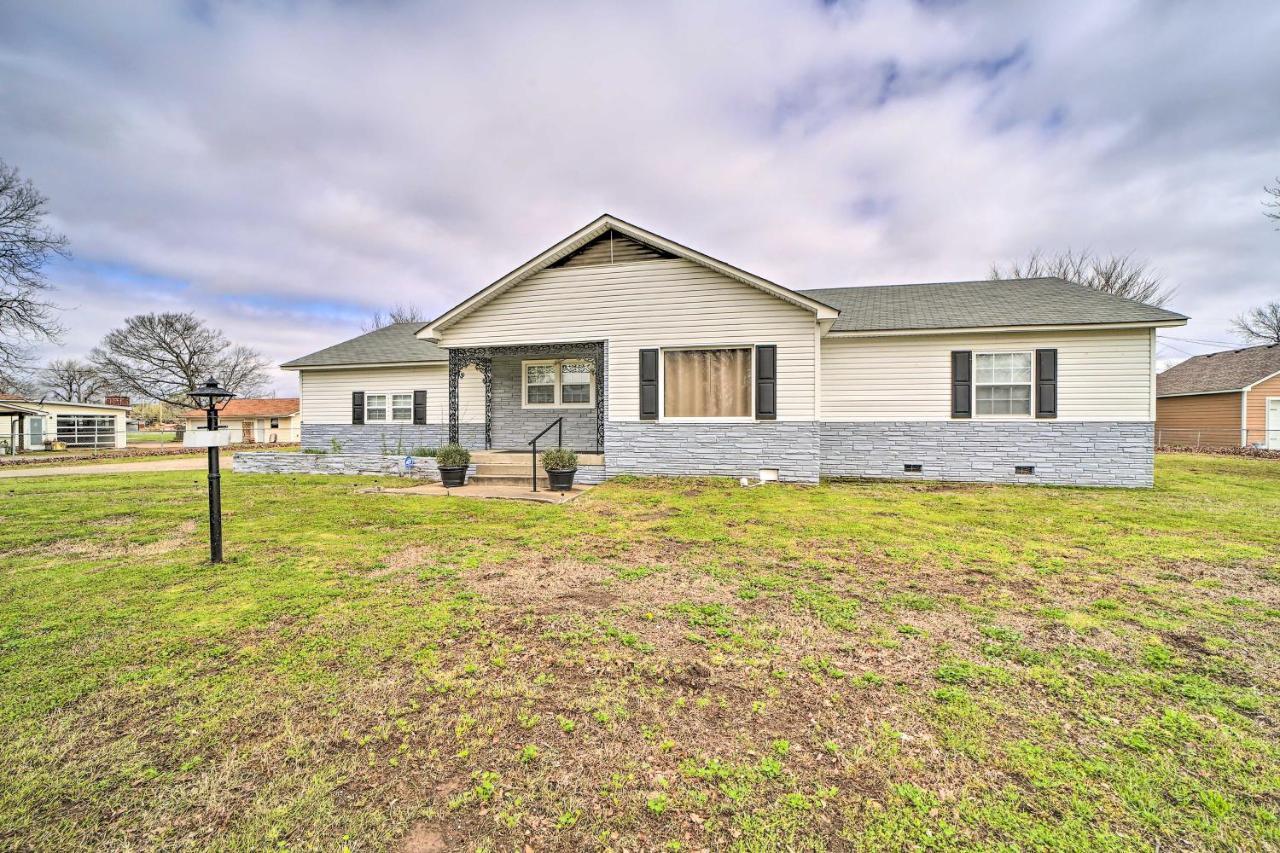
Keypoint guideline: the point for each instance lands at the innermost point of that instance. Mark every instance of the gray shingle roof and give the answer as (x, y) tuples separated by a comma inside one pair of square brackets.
[(392, 344), (1220, 371), (974, 304)]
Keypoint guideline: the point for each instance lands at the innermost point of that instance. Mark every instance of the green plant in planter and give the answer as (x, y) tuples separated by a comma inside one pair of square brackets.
[(559, 459), (453, 456)]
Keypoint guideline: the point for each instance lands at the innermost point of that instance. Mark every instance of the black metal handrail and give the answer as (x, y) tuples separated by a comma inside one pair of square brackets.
[(558, 423)]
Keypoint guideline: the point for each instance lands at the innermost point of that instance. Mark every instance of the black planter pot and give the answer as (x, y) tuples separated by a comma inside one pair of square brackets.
[(453, 477), (561, 481)]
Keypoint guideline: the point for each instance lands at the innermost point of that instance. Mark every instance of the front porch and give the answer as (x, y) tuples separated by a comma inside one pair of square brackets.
[(528, 388)]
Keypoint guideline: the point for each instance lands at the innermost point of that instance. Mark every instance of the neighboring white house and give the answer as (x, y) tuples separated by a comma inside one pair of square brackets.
[(28, 424), (266, 420), (667, 361)]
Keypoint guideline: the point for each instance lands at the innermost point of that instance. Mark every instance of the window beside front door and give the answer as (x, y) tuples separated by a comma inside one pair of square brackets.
[(1002, 383), (558, 384), (707, 384)]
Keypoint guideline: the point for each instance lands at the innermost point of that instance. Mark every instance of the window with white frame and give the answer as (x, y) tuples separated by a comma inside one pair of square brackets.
[(379, 408), (706, 383), (375, 407), (1002, 383), (558, 384)]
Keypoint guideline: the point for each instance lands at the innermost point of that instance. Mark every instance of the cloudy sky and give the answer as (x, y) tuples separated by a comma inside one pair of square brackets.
[(285, 169)]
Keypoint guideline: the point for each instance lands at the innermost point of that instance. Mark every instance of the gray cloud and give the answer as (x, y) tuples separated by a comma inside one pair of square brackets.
[(286, 168)]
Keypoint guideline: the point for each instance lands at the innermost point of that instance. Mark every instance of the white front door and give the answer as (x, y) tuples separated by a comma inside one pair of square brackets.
[(1273, 423)]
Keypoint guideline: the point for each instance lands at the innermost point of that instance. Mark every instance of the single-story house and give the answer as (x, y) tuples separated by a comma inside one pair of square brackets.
[(265, 420), (28, 424), (663, 360), (1221, 399)]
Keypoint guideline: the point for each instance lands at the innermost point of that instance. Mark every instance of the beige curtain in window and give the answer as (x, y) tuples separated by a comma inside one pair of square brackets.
[(707, 383)]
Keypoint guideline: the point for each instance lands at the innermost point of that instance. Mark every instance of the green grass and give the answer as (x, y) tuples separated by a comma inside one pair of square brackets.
[(658, 664), (148, 437)]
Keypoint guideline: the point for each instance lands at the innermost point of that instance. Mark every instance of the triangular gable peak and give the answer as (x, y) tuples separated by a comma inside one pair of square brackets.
[(593, 244)]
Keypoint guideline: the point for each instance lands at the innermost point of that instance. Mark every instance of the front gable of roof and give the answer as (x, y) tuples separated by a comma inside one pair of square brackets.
[(1216, 372), (609, 239)]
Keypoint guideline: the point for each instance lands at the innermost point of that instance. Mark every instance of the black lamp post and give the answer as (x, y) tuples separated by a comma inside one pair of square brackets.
[(211, 397)]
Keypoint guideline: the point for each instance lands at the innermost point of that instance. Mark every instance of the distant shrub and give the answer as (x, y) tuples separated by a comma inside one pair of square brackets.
[(559, 459), (453, 456), (428, 452), (314, 451)]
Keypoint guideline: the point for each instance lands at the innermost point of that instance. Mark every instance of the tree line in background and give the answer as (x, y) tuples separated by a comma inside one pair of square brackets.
[(151, 357), (158, 357)]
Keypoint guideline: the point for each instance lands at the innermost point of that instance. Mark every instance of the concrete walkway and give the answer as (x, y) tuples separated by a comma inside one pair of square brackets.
[(92, 469)]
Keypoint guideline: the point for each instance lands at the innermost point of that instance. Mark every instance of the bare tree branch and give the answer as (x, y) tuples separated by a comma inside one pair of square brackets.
[(400, 313), (162, 356), (1120, 275), (18, 384), (1273, 212), (26, 244), (1259, 325), (73, 381)]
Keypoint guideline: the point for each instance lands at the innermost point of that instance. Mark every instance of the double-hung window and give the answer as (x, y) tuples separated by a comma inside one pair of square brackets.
[(379, 408), (707, 383), (558, 384), (1002, 383)]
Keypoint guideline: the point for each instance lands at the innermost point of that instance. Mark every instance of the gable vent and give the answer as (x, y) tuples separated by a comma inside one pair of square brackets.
[(611, 248)]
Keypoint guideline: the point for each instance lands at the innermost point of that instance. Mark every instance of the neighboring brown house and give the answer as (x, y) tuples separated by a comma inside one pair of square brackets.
[(1223, 399), (271, 420)]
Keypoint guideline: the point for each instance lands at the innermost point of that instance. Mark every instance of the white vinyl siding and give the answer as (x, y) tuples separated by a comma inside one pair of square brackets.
[(1102, 376), (658, 304), (326, 394)]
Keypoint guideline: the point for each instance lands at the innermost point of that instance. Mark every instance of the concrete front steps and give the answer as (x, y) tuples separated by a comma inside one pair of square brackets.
[(514, 468)]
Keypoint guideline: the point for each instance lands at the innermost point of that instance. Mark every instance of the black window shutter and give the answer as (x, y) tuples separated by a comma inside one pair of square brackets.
[(357, 407), (766, 382), (419, 407), (961, 384), (1046, 383), (648, 384)]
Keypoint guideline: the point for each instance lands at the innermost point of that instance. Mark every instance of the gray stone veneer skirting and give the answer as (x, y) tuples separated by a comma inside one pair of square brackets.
[(733, 450), (1103, 453), (365, 464), (388, 439)]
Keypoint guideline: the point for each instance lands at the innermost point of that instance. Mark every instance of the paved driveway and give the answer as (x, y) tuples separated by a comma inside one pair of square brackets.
[(105, 468)]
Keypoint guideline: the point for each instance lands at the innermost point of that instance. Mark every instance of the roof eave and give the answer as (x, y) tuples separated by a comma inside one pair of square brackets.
[(1160, 396), (351, 365), (1043, 327)]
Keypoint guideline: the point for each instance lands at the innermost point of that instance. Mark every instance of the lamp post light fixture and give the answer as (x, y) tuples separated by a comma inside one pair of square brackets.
[(213, 398)]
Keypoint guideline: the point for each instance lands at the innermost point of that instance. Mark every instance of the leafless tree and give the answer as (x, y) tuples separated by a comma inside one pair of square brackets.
[(72, 380), (1117, 274), (1259, 325), (162, 356), (13, 382), (1273, 205), (26, 244), (406, 313)]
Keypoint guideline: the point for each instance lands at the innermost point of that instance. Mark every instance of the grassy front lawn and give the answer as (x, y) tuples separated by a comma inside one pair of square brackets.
[(146, 437), (658, 665)]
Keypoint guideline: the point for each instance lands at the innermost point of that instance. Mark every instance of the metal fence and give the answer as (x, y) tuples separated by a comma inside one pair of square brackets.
[(1217, 437), (257, 433)]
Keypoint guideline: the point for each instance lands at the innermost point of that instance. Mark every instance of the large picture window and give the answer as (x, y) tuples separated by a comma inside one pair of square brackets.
[(1002, 383), (558, 384), (706, 383)]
